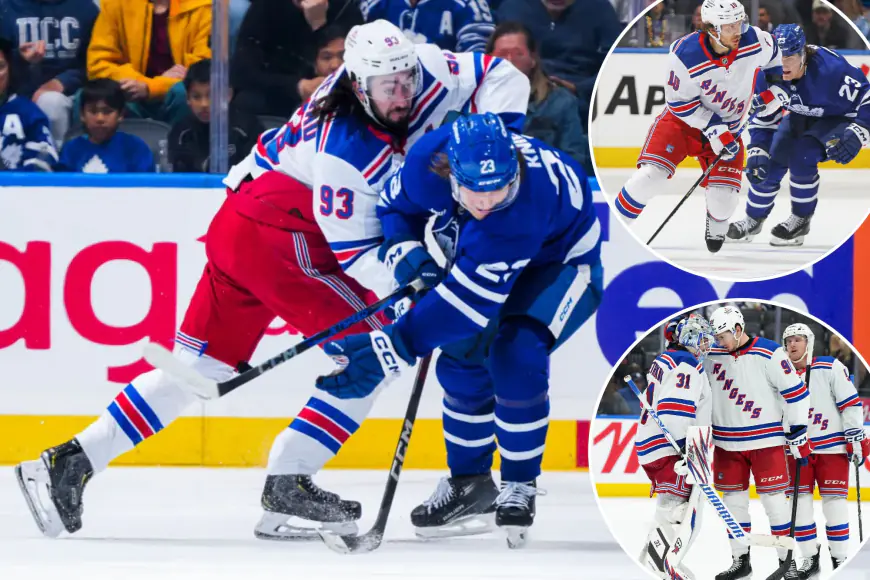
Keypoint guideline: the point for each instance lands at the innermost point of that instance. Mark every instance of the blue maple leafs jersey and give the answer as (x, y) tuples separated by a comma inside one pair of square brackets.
[(457, 25), (123, 153), (552, 220), (830, 87), (25, 138)]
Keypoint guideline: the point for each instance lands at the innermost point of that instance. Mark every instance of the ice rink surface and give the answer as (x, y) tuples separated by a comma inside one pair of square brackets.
[(631, 518), (843, 205), (192, 523)]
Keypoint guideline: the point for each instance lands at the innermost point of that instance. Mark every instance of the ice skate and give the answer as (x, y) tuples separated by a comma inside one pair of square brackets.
[(53, 486), (459, 506), (740, 568), (297, 496), (810, 569), (744, 230), (715, 234), (515, 511), (791, 232), (837, 562), (791, 573)]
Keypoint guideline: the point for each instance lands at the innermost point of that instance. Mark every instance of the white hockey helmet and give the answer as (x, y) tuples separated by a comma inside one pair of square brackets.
[(800, 329), (721, 12), (696, 334), (727, 318), (376, 49)]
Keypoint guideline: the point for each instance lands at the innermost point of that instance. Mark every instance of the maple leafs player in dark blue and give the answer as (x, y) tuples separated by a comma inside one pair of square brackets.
[(828, 101), (515, 218)]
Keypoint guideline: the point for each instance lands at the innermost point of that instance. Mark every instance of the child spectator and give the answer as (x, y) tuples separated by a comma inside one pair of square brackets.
[(25, 138), (147, 46), (52, 37), (189, 150), (104, 149), (553, 115), (457, 26), (330, 51)]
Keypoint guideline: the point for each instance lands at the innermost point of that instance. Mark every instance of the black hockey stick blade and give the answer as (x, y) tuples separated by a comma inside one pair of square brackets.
[(371, 540)]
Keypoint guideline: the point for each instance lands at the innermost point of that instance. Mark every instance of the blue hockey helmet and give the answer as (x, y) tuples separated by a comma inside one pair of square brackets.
[(483, 159), (790, 39)]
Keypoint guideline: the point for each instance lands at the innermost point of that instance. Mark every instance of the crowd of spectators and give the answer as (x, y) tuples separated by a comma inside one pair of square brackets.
[(761, 320)]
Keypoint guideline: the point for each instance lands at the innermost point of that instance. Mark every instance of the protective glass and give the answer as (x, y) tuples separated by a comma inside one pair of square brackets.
[(485, 201), (399, 86)]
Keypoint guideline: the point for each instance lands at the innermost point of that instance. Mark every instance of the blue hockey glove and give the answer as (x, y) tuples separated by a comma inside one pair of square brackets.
[(366, 361), (845, 148), (799, 444), (408, 260), (757, 164), (722, 141)]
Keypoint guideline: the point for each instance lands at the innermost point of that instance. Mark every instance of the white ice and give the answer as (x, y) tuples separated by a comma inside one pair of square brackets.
[(630, 520), (191, 523), (843, 205)]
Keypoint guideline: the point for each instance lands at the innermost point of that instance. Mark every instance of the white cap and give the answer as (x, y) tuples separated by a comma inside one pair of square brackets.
[(727, 318)]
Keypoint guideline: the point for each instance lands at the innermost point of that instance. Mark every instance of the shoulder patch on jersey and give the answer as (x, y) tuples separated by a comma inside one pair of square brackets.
[(357, 143), (690, 51), (823, 362), (765, 344), (680, 356)]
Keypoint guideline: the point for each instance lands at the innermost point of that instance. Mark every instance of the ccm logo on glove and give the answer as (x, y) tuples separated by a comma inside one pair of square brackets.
[(389, 360)]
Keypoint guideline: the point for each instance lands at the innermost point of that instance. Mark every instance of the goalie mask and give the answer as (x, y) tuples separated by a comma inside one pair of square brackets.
[(696, 335), (800, 329)]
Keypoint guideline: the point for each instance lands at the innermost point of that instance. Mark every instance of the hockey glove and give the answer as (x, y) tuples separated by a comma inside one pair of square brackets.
[(845, 148), (757, 163), (408, 260), (722, 141), (365, 362), (765, 104), (857, 445), (799, 444), (681, 468)]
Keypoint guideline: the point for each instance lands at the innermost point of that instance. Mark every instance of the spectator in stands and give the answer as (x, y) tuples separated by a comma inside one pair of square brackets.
[(573, 39), (553, 115), (25, 138), (764, 22), (52, 37), (854, 11), (147, 46), (330, 51), (103, 148), (189, 150), (272, 69), (697, 23), (612, 402), (457, 26), (656, 27), (829, 30)]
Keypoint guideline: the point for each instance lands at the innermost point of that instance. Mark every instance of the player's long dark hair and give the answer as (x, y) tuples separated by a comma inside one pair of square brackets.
[(339, 101), (440, 165)]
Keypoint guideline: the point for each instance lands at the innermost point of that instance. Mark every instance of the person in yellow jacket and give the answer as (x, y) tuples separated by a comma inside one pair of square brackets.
[(147, 46)]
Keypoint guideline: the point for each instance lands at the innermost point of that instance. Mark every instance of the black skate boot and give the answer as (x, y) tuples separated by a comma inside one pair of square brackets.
[(740, 568), (791, 573), (791, 232), (715, 234), (810, 569), (837, 562), (744, 230), (459, 506), (515, 511), (289, 496), (61, 474)]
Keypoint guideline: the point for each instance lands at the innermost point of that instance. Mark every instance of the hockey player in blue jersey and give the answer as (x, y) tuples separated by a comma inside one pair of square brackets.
[(25, 138), (828, 105), (516, 219)]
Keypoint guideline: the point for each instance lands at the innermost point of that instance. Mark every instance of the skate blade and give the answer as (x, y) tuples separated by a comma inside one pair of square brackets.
[(32, 477), (278, 527), (743, 240), (779, 242), (517, 536), (474, 525)]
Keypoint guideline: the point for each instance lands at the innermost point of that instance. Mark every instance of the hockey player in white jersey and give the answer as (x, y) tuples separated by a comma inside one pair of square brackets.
[(756, 391), (678, 389), (709, 88), (296, 238), (836, 428)]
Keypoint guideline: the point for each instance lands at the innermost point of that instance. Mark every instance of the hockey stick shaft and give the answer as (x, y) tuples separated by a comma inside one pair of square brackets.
[(858, 492), (781, 571), (704, 176)]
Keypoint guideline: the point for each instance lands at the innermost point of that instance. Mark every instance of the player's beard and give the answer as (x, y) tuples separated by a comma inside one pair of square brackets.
[(396, 119)]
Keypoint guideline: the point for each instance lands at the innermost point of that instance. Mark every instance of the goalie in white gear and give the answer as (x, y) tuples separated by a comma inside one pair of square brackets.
[(679, 392), (836, 428), (755, 389)]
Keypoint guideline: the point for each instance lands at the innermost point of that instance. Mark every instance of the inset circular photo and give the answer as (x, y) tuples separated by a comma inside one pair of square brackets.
[(736, 409), (731, 138)]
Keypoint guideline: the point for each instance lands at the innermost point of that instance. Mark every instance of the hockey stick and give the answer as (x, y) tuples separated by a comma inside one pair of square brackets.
[(205, 388), (722, 511), (372, 539), (783, 568), (858, 491), (704, 176)]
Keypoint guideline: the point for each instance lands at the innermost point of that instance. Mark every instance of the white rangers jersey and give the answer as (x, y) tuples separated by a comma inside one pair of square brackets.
[(680, 394), (755, 389), (834, 405), (704, 88), (346, 161)]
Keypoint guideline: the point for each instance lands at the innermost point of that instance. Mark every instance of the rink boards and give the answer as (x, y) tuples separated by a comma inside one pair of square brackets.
[(631, 93), (615, 470), (92, 267)]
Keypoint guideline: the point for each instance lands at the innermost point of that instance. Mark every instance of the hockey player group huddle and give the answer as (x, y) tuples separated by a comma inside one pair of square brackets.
[(327, 215), (771, 407), (803, 105)]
